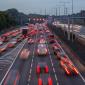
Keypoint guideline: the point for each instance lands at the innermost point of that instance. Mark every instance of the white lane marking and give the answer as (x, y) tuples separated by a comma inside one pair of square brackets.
[(83, 79), (13, 62), (53, 68), (29, 78)]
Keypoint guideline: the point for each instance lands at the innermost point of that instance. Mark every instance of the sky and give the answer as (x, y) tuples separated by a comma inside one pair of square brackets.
[(39, 6)]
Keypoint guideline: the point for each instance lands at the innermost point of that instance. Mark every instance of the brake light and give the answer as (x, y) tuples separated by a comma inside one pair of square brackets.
[(50, 81), (76, 70), (46, 69), (38, 69), (39, 81), (67, 71)]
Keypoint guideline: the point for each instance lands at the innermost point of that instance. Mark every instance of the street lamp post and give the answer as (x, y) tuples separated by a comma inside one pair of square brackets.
[(72, 20)]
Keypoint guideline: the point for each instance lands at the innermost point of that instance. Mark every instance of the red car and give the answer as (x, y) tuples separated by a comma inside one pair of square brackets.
[(19, 39), (68, 67), (45, 79), (47, 31), (42, 40), (42, 50), (30, 41), (51, 36), (2, 49), (5, 38), (12, 43), (24, 54), (52, 41), (42, 67), (56, 49)]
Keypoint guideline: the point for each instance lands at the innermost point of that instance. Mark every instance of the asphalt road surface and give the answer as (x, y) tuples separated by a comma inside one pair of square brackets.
[(27, 68)]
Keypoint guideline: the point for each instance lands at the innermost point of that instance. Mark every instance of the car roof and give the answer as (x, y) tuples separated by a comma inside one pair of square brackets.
[(42, 63), (41, 45)]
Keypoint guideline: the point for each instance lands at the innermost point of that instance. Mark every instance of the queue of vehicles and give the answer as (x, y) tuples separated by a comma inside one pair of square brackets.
[(10, 39), (42, 68), (63, 58)]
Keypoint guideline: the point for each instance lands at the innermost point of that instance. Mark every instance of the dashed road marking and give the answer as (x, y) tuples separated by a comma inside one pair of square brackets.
[(52, 63), (29, 78)]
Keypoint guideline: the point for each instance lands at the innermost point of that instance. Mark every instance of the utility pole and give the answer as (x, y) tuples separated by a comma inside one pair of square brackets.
[(72, 20), (56, 12), (41, 11), (59, 11), (66, 14), (45, 12)]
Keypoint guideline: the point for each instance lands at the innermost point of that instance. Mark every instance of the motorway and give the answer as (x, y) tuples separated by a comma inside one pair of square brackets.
[(27, 68)]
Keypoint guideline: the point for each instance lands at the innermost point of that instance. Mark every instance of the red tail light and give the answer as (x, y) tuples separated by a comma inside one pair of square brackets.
[(38, 69), (76, 70), (39, 81), (46, 69), (50, 81), (67, 71)]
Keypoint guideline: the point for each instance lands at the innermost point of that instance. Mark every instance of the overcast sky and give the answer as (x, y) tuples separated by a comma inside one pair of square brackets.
[(39, 6)]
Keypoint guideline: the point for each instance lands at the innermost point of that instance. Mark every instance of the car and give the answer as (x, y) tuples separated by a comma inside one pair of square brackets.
[(45, 79), (19, 39), (12, 78), (24, 54), (47, 31), (42, 41), (2, 49), (52, 41), (51, 36), (30, 41), (59, 55), (68, 67), (12, 43), (42, 67), (5, 38), (42, 49), (56, 49)]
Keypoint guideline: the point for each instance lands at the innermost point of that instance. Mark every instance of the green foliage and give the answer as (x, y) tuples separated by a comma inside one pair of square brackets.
[(12, 17), (6, 21)]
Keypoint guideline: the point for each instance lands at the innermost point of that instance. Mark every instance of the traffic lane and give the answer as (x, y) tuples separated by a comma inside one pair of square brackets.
[(63, 79), (3, 70), (34, 78), (74, 59), (37, 59), (23, 66), (27, 67), (6, 61)]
